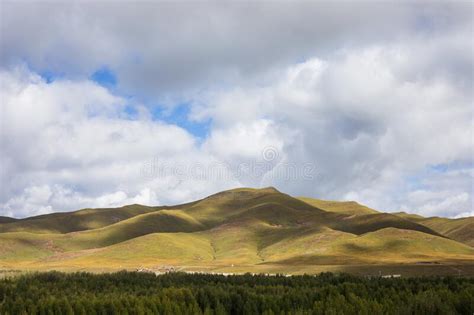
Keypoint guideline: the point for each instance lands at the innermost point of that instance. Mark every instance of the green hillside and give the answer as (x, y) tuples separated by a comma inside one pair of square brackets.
[(66, 222), (6, 219), (373, 222), (461, 230), (261, 230), (344, 207)]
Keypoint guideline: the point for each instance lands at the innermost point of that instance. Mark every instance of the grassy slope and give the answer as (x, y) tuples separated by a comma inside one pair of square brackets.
[(7, 219), (163, 221), (148, 250), (65, 222), (244, 227), (344, 207), (240, 246), (461, 230), (24, 246), (389, 245), (396, 245), (409, 216), (372, 222)]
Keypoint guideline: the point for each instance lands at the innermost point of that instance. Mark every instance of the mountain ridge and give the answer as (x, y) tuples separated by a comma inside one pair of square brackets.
[(243, 228)]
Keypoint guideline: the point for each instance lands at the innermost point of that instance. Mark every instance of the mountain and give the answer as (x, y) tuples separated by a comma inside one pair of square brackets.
[(6, 219), (65, 222), (244, 229), (461, 229), (345, 207)]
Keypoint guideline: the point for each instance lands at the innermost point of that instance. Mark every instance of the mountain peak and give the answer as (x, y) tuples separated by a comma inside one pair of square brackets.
[(270, 189), (244, 192)]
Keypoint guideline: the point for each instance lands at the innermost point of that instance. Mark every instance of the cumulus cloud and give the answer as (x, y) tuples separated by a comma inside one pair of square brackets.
[(67, 145), (365, 126), (37, 200), (372, 103)]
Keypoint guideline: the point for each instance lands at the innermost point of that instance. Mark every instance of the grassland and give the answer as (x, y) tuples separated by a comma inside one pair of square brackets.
[(241, 230)]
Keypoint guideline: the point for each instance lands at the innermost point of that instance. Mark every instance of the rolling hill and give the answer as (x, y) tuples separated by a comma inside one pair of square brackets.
[(344, 207), (461, 229), (65, 222), (6, 219), (260, 230)]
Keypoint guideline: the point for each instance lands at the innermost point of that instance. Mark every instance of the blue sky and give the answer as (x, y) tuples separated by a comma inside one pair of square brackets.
[(178, 114), (105, 77)]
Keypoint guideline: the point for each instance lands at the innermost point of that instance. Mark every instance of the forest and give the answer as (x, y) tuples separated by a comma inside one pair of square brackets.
[(180, 293)]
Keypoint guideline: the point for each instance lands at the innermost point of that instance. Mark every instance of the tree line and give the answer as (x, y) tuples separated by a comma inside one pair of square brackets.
[(180, 293)]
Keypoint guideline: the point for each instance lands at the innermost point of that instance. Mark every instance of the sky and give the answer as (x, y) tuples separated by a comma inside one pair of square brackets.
[(105, 104)]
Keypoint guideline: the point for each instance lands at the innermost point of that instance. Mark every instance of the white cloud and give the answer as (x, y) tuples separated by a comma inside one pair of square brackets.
[(65, 145), (376, 100), (37, 200), (441, 203), (34, 201), (441, 193), (365, 126), (244, 141)]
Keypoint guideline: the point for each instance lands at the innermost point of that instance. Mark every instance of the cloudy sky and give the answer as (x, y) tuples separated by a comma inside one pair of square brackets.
[(106, 104)]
